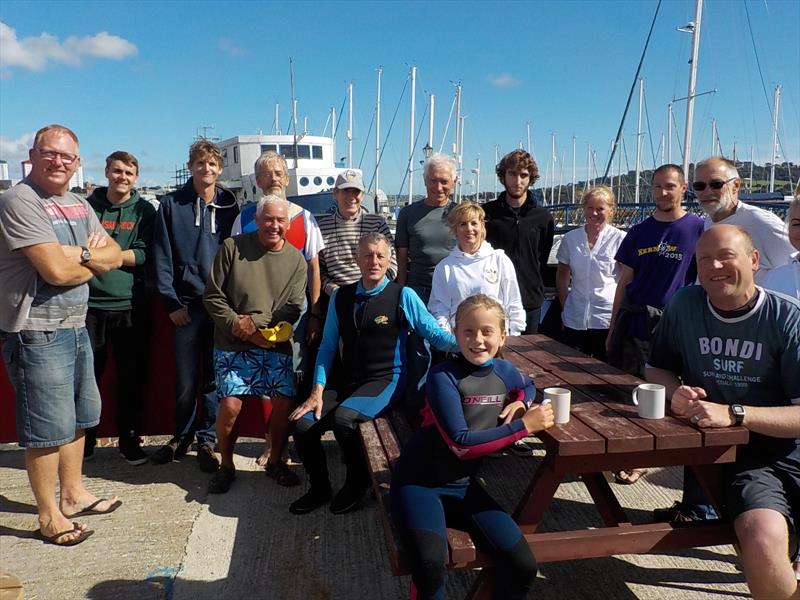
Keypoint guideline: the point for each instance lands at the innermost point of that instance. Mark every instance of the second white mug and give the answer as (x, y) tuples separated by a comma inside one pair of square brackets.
[(650, 398)]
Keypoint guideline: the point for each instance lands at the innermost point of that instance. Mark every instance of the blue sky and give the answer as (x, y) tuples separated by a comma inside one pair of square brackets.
[(145, 76)]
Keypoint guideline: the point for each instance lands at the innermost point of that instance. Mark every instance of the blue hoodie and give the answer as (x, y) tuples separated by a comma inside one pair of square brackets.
[(188, 233)]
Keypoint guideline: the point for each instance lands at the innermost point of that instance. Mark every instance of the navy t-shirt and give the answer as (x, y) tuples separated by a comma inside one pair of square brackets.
[(661, 253)]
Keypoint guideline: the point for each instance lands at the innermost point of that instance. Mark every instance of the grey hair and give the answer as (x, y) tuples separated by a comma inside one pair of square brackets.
[(375, 237), (729, 165), (269, 156), (439, 160), (271, 199)]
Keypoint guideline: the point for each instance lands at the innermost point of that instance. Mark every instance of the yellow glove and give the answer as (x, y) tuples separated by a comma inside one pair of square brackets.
[(282, 332)]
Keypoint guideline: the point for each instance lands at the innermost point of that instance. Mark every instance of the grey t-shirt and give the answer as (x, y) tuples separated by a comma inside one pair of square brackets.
[(28, 217), (424, 231)]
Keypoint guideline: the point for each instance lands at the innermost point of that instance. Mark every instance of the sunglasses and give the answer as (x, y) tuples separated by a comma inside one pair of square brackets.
[(716, 184)]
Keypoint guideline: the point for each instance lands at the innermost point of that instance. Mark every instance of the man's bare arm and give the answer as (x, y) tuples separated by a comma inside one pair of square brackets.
[(57, 265)]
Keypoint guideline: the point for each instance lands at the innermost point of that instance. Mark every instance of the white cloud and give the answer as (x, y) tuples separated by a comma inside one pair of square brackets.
[(229, 48), (503, 80), (15, 151), (34, 53)]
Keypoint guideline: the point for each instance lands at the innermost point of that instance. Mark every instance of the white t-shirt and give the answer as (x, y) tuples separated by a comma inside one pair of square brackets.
[(594, 277), (785, 279), (768, 233)]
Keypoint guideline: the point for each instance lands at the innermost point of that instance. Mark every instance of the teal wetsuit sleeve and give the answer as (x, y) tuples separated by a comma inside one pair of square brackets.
[(423, 323), (329, 344)]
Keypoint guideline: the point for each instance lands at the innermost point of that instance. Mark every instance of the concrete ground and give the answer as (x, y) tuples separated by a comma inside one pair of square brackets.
[(172, 541)]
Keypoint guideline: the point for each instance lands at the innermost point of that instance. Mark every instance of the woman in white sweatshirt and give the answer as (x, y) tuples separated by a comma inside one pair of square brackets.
[(474, 267)]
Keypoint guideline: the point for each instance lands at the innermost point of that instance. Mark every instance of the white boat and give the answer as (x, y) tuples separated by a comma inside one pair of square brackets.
[(311, 161)]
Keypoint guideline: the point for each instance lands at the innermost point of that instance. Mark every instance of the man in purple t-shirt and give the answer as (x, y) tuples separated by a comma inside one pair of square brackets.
[(656, 259)]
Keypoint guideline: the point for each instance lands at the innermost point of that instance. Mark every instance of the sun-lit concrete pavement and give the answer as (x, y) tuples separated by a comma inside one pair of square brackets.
[(171, 540)]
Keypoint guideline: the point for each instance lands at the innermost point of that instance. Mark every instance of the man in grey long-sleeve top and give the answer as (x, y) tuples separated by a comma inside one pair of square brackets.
[(254, 294)]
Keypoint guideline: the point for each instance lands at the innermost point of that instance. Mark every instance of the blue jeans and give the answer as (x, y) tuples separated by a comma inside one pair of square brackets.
[(53, 376), (194, 347)]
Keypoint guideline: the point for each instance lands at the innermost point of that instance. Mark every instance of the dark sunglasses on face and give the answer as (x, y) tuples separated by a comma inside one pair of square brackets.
[(716, 184)]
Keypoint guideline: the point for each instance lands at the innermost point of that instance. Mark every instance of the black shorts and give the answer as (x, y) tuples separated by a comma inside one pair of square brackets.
[(771, 484)]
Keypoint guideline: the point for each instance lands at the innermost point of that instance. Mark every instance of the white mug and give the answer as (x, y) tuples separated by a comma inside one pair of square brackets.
[(560, 398), (650, 398)]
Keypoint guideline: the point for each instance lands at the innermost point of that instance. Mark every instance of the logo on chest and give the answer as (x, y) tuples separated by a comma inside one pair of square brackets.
[(483, 399), (491, 274), (381, 320)]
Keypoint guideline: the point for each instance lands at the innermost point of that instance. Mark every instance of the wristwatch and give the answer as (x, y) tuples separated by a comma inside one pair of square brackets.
[(86, 256), (738, 412)]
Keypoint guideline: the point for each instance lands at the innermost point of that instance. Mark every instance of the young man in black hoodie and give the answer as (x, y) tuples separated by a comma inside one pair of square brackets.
[(117, 312), (191, 225), (524, 231)]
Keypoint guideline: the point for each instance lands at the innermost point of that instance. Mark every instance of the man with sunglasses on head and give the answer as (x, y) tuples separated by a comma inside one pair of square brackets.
[(51, 245), (717, 184)]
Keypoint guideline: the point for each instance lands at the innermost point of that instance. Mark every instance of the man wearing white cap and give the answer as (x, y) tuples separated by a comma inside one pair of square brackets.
[(342, 230)]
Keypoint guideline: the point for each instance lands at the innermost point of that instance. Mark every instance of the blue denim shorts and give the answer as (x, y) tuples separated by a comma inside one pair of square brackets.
[(256, 372), (53, 376)]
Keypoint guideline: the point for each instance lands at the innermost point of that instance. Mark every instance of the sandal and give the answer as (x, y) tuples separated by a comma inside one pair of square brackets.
[(221, 481), (629, 476), (53, 539), (281, 474)]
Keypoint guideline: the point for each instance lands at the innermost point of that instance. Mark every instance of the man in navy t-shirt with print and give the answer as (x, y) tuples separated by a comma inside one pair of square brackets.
[(657, 259)]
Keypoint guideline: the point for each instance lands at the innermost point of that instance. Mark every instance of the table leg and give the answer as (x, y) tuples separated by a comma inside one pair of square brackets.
[(710, 479), (606, 502), (537, 497)]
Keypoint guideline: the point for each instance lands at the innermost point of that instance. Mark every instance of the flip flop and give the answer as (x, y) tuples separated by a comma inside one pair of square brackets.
[(51, 539), (90, 510), (631, 476)]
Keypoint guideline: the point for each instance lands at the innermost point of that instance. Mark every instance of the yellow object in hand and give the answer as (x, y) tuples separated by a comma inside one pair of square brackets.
[(282, 332)]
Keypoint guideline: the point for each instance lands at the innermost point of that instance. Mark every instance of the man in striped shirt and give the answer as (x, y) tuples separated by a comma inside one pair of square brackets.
[(341, 231)]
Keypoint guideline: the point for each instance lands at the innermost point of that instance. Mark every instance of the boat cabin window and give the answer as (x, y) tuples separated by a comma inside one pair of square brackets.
[(317, 180), (236, 155), (331, 180), (303, 151), (268, 147), (316, 152), (303, 181), (287, 150)]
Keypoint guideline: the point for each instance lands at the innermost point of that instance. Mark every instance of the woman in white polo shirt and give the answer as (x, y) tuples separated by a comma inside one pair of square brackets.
[(586, 258)]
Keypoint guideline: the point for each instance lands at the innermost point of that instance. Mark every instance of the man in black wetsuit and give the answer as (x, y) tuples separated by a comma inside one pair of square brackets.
[(367, 325)]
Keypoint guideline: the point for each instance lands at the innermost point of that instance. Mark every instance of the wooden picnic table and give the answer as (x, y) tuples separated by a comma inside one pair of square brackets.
[(605, 433)]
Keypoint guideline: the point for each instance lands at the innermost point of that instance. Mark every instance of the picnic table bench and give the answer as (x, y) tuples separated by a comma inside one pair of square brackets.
[(604, 434)]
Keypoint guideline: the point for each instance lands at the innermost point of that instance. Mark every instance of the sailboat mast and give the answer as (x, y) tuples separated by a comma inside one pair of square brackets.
[(687, 151), (775, 111), (411, 135), (458, 141), (496, 161), (276, 127), (350, 125), (431, 113), (639, 141), (553, 170), (378, 135), (573, 169), (713, 137), (669, 133)]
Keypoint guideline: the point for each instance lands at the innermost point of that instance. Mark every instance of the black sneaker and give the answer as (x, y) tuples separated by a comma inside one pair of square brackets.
[(310, 501), (347, 498), (131, 450), (206, 459), (176, 448), (520, 448), (221, 481), (281, 474), (677, 513)]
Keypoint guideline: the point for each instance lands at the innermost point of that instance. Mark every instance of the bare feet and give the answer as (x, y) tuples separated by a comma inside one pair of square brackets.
[(262, 460), (70, 506)]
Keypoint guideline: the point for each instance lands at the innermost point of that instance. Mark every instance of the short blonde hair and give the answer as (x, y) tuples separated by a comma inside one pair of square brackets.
[(55, 129), (464, 211), (481, 301), (601, 191)]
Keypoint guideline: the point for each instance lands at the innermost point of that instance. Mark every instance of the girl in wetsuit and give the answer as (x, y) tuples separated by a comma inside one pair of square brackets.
[(476, 404)]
